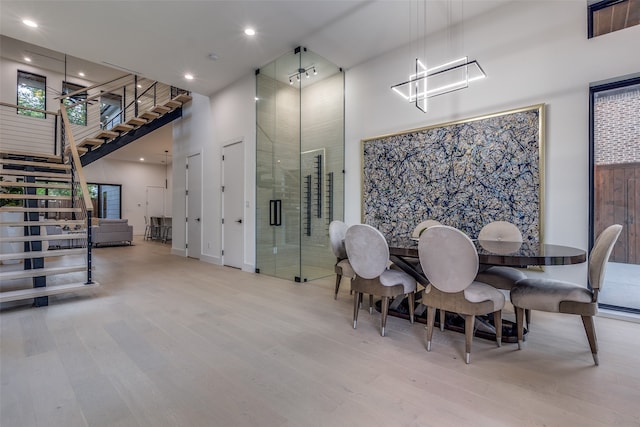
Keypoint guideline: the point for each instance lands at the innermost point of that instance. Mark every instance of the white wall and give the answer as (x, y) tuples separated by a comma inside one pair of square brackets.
[(532, 52), (234, 119), (192, 134), (134, 177)]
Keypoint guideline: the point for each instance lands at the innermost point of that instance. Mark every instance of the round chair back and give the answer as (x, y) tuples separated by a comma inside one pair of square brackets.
[(448, 257), (337, 231), (423, 226), (501, 231), (367, 250), (600, 253)]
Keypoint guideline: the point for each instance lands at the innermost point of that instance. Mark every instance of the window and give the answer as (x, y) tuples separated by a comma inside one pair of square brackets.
[(77, 114), (32, 94), (615, 186), (110, 110), (106, 200), (612, 15)]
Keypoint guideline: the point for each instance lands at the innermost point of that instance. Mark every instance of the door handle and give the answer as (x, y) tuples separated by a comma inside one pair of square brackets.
[(275, 212), (198, 219), (239, 221)]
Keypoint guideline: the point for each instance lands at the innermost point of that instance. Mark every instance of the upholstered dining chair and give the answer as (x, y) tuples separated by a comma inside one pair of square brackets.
[(450, 261), (565, 297), (337, 231), (498, 276), (417, 231), (368, 254)]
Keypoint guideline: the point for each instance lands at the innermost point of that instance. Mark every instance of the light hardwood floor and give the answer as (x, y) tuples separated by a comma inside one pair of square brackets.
[(168, 341)]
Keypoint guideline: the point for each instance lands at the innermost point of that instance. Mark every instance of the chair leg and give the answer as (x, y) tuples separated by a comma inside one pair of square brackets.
[(469, 323), (527, 316), (431, 319), (356, 305), (443, 315), (384, 311), (412, 305), (519, 325), (497, 321), (338, 279), (590, 329)]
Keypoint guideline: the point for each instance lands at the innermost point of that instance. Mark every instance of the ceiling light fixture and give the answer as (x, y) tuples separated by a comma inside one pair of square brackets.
[(250, 31), (426, 82), (30, 23), (142, 159), (302, 71), (188, 76), (81, 74), (26, 58)]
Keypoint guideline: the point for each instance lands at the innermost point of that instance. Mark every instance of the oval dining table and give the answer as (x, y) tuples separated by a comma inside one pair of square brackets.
[(403, 252)]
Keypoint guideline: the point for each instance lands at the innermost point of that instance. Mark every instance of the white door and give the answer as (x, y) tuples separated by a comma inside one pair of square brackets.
[(232, 202), (194, 206)]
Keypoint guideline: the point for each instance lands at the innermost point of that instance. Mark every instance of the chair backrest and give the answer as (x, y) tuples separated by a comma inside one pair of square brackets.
[(423, 226), (337, 231), (367, 249), (600, 254), (501, 231), (448, 258)]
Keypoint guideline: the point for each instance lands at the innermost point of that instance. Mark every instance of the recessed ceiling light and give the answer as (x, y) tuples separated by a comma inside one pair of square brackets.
[(142, 159), (30, 23), (250, 31), (81, 74), (26, 58), (188, 76), (213, 56)]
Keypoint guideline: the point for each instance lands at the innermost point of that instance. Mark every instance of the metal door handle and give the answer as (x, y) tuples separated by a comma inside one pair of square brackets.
[(198, 219), (239, 221)]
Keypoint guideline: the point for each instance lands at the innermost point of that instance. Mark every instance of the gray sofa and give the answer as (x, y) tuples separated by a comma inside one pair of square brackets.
[(112, 232)]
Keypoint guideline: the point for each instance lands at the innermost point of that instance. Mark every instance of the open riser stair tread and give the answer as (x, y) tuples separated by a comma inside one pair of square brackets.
[(26, 163), (34, 185), (42, 254), (71, 222), (36, 238), (91, 142), (39, 210), (57, 176), (45, 291), (38, 272), (106, 135), (34, 197), (21, 155)]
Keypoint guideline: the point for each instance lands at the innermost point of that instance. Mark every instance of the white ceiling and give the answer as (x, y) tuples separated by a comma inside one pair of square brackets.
[(163, 40)]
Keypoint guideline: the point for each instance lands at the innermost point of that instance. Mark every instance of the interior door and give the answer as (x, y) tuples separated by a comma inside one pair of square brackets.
[(232, 202), (155, 201), (194, 206)]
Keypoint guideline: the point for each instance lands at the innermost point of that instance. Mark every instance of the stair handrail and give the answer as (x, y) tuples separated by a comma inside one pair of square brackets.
[(86, 89), (76, 160), (22, 107), (136, 97)]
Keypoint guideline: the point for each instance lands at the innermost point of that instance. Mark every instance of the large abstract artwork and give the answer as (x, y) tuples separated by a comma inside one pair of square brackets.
[(464, 174)]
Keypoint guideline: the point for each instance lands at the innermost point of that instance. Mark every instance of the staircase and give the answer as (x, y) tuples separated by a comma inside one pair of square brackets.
[(40, 193), (45, 207)]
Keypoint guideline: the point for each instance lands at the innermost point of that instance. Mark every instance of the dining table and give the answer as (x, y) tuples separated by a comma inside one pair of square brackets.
[(403, 251)]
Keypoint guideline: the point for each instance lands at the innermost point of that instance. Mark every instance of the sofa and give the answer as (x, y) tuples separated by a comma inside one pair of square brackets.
[(111, 232)]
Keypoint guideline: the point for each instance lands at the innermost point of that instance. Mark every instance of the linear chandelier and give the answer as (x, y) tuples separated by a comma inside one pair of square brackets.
[(425, 82), (429, 82)]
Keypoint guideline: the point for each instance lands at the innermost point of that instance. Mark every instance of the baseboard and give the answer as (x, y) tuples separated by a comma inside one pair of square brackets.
[(179, 252), (211, 259)]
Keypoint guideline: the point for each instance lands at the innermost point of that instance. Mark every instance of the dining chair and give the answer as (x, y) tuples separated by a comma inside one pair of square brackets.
[(165, 228), (417, 231), (147, 229), (368, 253), (450, 262), (566, 297), (500, 277), (337, 231)]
